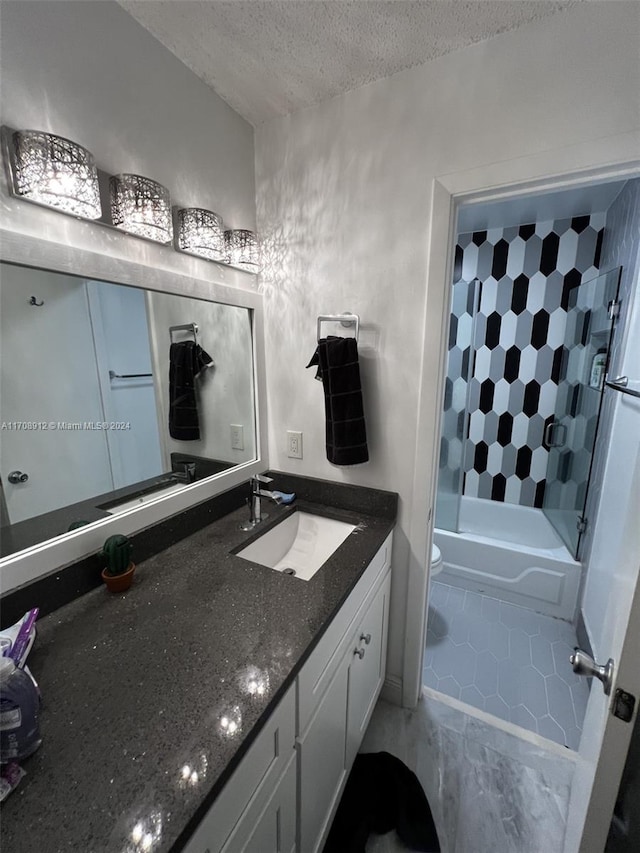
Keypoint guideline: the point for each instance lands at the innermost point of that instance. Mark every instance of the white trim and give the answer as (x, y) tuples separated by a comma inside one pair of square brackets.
[(608, 158), (47, 557), (392, 690)]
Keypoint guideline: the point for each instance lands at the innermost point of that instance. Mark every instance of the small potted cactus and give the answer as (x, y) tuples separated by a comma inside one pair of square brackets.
[(118, 572)]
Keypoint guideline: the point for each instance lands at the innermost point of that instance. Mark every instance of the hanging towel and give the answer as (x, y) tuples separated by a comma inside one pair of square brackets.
[(186, 360), (382, 794), (339, 371)]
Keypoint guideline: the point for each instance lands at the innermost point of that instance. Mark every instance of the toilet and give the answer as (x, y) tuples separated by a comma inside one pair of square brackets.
[(436, 561)]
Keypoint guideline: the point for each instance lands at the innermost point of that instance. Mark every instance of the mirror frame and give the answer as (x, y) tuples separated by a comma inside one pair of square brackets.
[(48, 557)]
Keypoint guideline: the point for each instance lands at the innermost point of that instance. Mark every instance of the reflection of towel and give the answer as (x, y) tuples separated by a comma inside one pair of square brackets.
[(186, 360), (337, 360), (382, 794)]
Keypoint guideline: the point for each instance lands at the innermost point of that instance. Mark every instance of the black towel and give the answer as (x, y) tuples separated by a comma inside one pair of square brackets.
[(186, 360), (382, 794), (338, 368)]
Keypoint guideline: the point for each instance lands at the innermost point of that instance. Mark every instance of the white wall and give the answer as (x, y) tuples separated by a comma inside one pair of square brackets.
[(611, 561), (89, 71), (344, 194), (224, 392)]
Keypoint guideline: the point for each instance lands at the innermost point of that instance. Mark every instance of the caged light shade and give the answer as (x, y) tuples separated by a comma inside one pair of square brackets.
[(55, 172), (201, 232), (242, 249), (141, 206)]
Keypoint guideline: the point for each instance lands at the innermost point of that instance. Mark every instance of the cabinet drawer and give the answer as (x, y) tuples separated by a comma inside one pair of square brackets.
[(252, 782), (323, 662)]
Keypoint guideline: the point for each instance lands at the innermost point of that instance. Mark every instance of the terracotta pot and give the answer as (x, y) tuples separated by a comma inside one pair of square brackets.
[(118, 583)]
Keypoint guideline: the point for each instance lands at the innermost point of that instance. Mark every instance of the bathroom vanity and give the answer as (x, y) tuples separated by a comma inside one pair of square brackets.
[(219, 704), (311, 738)]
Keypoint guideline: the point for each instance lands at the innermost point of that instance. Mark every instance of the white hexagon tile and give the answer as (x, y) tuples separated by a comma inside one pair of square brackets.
[(514, 306), (505, 660)]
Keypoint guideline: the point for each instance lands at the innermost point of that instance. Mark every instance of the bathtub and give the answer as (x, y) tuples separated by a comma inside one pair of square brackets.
[(511, 553)]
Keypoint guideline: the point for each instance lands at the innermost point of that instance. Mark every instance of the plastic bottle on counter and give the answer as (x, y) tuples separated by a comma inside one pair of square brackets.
[(19, 706), (598, 365)]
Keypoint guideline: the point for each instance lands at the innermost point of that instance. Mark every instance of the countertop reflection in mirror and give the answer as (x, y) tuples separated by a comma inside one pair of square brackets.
[(103, 409)]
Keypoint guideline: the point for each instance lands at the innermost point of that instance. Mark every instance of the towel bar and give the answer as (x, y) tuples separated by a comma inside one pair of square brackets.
[(114, 375), (185, 327), (345, 319)]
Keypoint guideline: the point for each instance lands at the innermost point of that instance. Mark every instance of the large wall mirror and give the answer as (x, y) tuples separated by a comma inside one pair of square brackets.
[(112, 396)]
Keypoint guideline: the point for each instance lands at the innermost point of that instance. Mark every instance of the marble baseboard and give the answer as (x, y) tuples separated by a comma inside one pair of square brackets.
[(488, 789)]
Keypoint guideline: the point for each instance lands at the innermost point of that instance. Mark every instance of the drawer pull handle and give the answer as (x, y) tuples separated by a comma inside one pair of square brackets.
[(359, 653), (366, 638)]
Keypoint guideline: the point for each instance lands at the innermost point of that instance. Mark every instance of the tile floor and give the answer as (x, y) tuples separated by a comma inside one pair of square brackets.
[(488, 788), (506, 660)]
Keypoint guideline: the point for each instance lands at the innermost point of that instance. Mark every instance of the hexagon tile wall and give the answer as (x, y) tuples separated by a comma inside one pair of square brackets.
[(526, 275)]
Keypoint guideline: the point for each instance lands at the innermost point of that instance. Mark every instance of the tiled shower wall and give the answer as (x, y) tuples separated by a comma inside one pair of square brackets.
[(505, 364)]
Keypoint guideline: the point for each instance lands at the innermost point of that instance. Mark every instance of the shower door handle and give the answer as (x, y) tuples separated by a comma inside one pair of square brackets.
[(548, 439)]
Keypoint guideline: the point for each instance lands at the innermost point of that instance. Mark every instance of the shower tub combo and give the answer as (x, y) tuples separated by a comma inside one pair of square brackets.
[(511, 553)]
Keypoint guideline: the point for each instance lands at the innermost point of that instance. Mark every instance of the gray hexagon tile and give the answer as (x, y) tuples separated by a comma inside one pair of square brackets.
[(506, 660), (508, 357)]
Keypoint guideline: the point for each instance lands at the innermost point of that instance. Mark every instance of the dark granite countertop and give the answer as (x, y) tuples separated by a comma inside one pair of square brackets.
[(135, 686)]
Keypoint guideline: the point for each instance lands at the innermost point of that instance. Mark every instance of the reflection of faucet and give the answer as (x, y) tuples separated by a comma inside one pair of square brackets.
[(187, 474), (255, 512)]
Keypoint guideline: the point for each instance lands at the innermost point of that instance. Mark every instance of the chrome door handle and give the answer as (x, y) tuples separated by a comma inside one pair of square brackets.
[(584, 664), (18, 477), (548, 434), (359, 653), (366, 638)]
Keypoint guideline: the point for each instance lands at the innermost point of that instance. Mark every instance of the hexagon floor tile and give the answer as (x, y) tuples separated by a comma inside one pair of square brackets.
[(506, 660)]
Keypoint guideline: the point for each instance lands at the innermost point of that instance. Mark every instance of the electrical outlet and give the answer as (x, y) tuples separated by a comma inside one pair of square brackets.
[(294, 444), (237, 437)]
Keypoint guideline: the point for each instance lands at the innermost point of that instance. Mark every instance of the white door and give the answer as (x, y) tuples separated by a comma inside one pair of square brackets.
[(49, 395), (616, 551)]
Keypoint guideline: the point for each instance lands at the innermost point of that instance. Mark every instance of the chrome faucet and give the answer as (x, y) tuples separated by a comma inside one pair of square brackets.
[(186, 472), (256, 493)]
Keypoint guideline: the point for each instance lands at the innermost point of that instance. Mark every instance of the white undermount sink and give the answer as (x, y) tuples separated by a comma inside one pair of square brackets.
[(302, 542), (130, 503)]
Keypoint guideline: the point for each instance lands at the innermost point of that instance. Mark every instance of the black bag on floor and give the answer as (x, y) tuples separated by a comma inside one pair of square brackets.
[(382, 794)]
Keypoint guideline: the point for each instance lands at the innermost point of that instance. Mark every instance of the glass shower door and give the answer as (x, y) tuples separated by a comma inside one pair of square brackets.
[(571, 434), (454, 413)]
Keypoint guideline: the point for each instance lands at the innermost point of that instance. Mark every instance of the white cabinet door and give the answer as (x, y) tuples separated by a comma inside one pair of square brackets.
[(317, 672), (367, 669), (321, 762), (245, 797), (273, 829)]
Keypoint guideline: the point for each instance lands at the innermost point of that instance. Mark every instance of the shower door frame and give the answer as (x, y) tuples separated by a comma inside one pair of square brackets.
[(586, 163)]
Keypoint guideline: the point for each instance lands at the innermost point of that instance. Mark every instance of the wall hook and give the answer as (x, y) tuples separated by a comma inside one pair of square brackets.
[(34, 301)]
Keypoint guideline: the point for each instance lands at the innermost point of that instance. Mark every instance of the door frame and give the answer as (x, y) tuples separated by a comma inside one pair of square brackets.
[(607, 159)]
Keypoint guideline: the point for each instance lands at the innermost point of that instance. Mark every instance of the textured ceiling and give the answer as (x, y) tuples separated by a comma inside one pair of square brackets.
[(272, 57)]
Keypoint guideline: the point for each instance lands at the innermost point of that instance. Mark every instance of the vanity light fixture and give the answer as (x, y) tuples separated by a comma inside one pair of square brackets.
[(141, 206), (57, 173), (242, 249), (201, 233), (54, 171)]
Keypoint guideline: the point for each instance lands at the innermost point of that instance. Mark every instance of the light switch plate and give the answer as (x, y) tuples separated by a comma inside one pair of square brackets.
[(237, 437)]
